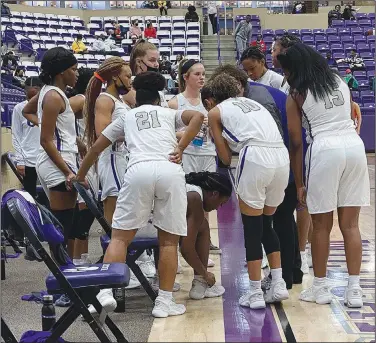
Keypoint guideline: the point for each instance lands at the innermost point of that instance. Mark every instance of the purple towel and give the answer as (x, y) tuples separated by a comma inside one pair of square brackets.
[(37, 337), (38, 296)]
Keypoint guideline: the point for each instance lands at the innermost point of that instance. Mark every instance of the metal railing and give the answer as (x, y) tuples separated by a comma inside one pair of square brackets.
[(218, 41)]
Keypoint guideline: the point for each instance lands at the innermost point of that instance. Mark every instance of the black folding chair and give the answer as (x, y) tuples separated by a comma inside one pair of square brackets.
[(6, 334), (81, 284), (135, 249)]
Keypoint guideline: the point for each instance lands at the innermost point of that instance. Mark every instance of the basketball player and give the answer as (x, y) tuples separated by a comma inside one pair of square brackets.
[(205, 192), (25, 138), (200, 154), (337, 173), (262, 175), (153, 176), (56, 161)]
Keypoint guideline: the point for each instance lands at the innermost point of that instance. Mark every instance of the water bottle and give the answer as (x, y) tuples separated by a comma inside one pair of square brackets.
[(48, 313), (199, 139), (119, 295)]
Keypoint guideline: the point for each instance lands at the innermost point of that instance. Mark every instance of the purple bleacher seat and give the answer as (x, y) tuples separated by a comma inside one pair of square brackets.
[(344, 31), (359, 39), (338, 23), (369, 104), (365, 23), (308, 40), (371, 39), (323, 48), (267, 32), (366, 55), (360, 73), (338, 55), (333, 39), (6, 115), (363, 86), (346, 39), (356, 31), (372, 48), (268, 39), (360, 16), (348, 47), (318, 31), (294, 32), (256, 31), (351, 23), (280, 32), (371, 15), (307, 32), (370, 65), (355, 95), (367, 93), (320, 38), (367, 130)]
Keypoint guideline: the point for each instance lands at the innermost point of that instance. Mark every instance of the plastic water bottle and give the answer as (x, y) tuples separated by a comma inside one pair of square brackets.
[(119, 295), (48, 313), (199, 139)]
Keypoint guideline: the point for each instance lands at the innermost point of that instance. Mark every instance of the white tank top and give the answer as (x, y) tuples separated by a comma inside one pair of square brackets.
[(65, 129), (194, 188), (272, 79), (329, 116), (247, 123), (207, 148), (120, 108)]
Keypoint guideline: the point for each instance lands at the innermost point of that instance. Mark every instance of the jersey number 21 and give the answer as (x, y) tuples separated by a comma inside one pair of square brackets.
[(147, 120)]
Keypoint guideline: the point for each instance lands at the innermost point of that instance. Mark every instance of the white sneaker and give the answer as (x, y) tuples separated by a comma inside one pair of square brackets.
[(309, 259), (210, 263), (147, 267), (317, 294), (155, 284), (304, 268), (277, 292), (254, 300), (106, 299), (163, 308), (201, 290), (353, 297), (133, 282)]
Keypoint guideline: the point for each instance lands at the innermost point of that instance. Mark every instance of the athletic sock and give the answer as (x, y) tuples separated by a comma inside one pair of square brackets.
[(319, 281), (354, 280), (255, 285), (276, 274), (165, 295)]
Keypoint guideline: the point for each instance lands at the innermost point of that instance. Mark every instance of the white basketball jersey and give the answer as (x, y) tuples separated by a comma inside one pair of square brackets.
[(120, 108), (65, 129), (81, 125), (150, 132), (246, 122), (208, 147), (194, 188), (331, 115)]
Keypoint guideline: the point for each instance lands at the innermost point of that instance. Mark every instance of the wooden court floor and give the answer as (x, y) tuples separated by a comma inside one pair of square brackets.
[(223, 320)]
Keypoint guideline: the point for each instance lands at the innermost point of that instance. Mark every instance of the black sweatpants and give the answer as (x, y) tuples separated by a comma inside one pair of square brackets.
[(30, 181), (285, 226), (213, 21)]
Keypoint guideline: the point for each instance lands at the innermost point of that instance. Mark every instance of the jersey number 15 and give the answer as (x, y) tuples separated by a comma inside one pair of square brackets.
[(147, 120)]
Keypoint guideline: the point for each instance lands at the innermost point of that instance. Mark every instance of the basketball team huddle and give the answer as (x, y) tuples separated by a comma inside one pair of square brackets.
[(156, 164)]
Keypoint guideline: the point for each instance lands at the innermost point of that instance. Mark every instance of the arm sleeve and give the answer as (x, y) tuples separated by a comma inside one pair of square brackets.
[(115, 130), (17, 135)]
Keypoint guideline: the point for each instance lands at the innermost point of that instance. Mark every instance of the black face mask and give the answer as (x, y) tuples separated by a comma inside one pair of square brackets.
[(148, 68), (122, 90)]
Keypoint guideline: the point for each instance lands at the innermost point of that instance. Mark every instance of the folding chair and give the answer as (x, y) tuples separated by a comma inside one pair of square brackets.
[(135, 249), (9, 158), (6, 334), (81, 284)]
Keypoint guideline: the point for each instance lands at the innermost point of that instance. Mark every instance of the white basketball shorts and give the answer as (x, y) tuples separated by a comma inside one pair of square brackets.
[(197, 163), (262, 176), (336, 173), (153, 185), (111, 171)]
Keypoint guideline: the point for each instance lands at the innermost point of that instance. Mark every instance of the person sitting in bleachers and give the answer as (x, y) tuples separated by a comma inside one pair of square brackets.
[(259, 42), (105, 45), (355, 62), (175, 65), (349, 13), (162, 5), (332, 63), (150, 31), (19, 78), (191, 15), (135, 31), (78, 46), (351, 81), (334, 14), (165, 65)]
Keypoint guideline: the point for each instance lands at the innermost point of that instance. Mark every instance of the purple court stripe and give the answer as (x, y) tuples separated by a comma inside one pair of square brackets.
[(241, 324)]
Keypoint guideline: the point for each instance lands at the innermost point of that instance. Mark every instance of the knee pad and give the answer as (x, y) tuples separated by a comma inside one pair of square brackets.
[(84, 222), (269, 237), (253, 229), (65, 217)]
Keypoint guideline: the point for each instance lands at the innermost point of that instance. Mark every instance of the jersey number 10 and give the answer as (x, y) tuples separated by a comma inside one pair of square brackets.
[(147, 120)]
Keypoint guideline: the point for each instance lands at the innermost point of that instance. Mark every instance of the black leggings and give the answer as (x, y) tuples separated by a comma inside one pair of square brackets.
[(30, 181), (161, 9), (213, 21), (285, 226)]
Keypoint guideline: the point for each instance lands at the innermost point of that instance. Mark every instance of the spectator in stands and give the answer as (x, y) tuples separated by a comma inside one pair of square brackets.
[(162, 5), (135, 31), (105, 45), (19, 78), (212, 12), (191, 15), (355, 62), (299, 8), (9, 61), (78, 46), (259, 43), (351, 81), (242, 33), (165, 65), (150, 31), (175, 65), (254, 64), (349, 13), (5, 11), (118, 33), (332, 63), (334, 14), (25, 138)]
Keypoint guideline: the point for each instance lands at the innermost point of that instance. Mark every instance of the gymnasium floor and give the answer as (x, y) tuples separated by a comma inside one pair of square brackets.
[(221, 319)]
